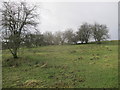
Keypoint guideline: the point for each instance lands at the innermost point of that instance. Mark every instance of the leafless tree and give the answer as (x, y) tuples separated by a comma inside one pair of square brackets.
[(59, 38), (84, 33), (48, 38), (17, 17), (69, 35), (75, 38), (100, 32)]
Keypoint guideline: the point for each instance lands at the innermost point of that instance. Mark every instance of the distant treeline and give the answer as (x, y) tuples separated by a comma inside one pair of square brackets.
[(85, 32)]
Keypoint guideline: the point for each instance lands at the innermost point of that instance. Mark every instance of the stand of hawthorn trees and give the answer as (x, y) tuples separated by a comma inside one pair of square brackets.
[(85, 32)]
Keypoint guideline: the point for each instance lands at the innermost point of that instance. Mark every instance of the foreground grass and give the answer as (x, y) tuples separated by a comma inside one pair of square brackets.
[(67, 66)]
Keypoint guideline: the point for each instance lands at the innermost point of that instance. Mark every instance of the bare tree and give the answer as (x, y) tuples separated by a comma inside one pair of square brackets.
[(59, 38), (84, 33), (75, 38), (48, 38), (100, 32), (69, 35), (63, 38), (16, 19)]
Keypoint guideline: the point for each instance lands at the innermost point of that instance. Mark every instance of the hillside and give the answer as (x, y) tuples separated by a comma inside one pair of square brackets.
[(63, 66)]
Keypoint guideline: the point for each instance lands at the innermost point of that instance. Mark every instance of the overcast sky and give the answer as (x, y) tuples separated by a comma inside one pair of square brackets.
[(56, 16), (59, 16)]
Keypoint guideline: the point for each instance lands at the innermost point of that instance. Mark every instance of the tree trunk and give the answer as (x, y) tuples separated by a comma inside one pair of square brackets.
[(86, 41), (15, 56), (15, 52)]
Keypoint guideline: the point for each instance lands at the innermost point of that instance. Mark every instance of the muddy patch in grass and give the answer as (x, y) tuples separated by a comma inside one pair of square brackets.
[(95, 57), (32, 83), (61, 84)]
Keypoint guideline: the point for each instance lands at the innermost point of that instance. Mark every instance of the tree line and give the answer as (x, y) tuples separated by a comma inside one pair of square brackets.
[(19, 18), (84, 34)]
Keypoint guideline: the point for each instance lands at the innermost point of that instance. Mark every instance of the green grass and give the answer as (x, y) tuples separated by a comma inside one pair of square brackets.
[(63, 66)]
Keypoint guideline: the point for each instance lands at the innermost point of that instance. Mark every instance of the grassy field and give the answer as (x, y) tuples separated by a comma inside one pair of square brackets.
[(63, 66)]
